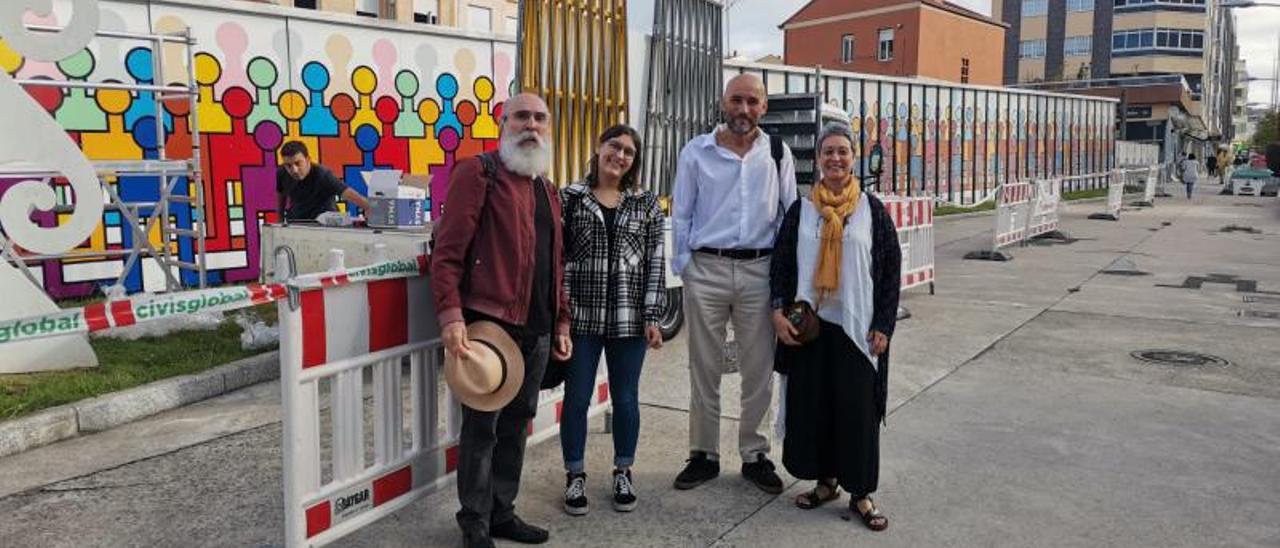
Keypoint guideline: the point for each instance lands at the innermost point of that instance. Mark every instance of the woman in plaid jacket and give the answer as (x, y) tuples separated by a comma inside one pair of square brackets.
[(614, 276)]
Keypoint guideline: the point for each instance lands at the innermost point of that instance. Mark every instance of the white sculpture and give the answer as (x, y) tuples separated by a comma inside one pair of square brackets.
[(30, 137)]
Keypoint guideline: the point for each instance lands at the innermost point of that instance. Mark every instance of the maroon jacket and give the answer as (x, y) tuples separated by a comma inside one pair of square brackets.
[(484, 248)]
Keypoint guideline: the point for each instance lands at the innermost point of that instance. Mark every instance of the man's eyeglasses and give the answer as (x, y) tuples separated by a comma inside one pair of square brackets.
[(527, 115)]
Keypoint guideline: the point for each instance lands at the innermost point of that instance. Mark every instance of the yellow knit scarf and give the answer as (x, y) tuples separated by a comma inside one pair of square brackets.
[(835, 209)]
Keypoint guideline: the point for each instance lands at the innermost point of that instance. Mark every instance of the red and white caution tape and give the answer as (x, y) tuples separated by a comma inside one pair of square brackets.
[(152, 307)]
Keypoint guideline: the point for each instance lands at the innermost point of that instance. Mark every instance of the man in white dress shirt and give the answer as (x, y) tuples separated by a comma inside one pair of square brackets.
[(729, 198)]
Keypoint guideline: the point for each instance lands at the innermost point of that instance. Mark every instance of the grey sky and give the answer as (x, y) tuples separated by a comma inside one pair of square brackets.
[(754, 33)]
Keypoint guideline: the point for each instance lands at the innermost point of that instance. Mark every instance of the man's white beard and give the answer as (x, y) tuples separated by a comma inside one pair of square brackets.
[(528, 160)]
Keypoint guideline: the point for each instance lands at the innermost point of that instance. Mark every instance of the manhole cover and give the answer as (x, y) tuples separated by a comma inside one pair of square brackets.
[(1179, 358), (1264, 314)]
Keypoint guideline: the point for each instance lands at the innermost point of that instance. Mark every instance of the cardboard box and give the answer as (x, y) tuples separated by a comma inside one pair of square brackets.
[(396, 212)]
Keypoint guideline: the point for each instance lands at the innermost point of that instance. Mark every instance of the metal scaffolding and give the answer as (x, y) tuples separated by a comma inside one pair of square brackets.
[(141, 216)]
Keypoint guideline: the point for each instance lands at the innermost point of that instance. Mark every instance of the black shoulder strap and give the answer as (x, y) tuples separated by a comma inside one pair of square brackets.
[(775, 150), (490, 167)]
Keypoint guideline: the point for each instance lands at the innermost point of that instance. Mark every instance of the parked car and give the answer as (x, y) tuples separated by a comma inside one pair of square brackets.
[(1252, 182)]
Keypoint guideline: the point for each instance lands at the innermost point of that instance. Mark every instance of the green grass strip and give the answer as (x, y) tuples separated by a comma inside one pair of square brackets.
[(127, 364)]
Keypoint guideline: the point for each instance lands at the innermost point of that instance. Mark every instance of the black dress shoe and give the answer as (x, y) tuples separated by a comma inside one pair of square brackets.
[(476, 537), (517, 530)]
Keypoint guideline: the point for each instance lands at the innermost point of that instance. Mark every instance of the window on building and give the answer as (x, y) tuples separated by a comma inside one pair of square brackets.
[(1079, 5), (1077, 46), (426, 11), (846, 49), (513, 25), (368, 8), (1158, 39), (479, 18), (885, 50), (1138, 5), (964, 70), (305, 4), (1035, 8), (1031, 49)]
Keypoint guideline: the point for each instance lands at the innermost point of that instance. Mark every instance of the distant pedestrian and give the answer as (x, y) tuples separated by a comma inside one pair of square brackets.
[(731, 188), (1224, 164), (1211, 164), (837, 257), (616, 279), (1190, 169)]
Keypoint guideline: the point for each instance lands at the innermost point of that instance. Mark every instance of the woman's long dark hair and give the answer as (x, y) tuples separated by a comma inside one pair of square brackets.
[(629, 178)]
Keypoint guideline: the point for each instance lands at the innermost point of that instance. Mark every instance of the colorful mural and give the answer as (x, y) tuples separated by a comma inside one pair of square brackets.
[(359, 97), (960, 142)]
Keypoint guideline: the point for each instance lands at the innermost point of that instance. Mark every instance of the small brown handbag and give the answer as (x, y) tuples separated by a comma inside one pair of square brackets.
[(805, 320)]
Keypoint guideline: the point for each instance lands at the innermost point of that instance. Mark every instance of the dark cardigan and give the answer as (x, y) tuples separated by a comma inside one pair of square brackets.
[(886, 271)]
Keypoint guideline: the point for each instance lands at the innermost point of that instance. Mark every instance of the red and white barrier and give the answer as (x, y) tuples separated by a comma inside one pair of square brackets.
[(331, 335), (1014, 202), (914, 218), (1044, 217)]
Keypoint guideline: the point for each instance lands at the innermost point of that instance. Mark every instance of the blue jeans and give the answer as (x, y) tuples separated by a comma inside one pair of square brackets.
[(624, 357)]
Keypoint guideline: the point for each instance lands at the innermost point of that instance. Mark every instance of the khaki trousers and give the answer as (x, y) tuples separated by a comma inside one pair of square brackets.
[(717, 290)]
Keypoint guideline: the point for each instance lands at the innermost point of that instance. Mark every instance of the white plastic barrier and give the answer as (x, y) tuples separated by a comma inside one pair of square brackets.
[(1044, 211), (1149, 190), (1115, 197), (336, 329), (914, 218), (1014, 202), (1150, 180)]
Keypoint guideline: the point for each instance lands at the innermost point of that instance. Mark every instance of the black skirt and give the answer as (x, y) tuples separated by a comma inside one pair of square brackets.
[(832, 419)]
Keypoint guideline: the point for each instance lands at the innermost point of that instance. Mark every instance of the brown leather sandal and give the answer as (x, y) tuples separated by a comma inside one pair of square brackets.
[(872, 518), (815, 497)]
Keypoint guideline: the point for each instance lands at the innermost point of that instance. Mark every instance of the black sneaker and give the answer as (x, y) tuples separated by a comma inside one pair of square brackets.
[(761, 473), (518, 531), (624, 493), (699, 471), (575, 495)]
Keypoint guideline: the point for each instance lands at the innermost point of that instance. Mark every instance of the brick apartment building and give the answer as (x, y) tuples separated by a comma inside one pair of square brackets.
[(925, 38)]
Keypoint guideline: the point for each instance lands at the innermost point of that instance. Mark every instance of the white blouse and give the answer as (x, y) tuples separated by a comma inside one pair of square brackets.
[(852, 306)]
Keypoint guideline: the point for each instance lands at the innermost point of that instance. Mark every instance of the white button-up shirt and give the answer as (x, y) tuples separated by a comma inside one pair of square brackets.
[(725, 201)]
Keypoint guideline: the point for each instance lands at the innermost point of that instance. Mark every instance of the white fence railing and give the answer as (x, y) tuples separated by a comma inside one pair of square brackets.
[(362, 347)]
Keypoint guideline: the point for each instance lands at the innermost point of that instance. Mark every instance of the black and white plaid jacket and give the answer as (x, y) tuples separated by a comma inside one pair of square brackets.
[(636, 277)]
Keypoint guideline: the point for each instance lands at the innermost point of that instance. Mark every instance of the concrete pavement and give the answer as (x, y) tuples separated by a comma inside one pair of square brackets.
[(1019, 419)]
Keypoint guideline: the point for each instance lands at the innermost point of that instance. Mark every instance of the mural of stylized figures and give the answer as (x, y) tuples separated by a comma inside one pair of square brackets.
[(917, 149), (357, 100)]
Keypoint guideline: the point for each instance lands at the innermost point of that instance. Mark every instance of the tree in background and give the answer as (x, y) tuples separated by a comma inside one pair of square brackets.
[(1268, 131), (1267, 139)]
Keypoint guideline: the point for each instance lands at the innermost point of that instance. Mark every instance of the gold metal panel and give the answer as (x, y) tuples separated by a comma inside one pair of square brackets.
[(573, 53)]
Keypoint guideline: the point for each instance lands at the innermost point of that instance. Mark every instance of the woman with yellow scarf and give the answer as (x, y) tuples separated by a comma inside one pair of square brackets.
[(837, 250)]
